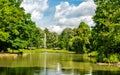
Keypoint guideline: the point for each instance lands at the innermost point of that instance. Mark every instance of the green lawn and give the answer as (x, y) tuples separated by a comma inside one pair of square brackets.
[(39, 51)]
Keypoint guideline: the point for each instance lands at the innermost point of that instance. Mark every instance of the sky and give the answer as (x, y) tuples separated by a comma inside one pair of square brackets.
[(57, 15)]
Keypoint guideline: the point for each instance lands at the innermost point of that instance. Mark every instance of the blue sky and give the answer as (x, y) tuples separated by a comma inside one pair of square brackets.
[(56, 2), (59, 14), (53, 3)]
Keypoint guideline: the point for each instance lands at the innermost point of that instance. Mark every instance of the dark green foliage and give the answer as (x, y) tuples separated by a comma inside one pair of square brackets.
[(106, 38), (76, 44), (61, 44), (17, 30), (77, 39), (81, 39), (65, 37)]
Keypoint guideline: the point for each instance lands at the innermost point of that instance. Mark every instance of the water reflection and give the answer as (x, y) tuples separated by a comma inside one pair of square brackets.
[(55, 64), (90, 72), (59, 70), (40, 71)]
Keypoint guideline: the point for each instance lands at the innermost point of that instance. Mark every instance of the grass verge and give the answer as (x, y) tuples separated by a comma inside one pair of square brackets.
[(39, 51)]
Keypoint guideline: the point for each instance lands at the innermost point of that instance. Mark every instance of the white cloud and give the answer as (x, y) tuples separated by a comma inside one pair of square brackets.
[(35, 7), (69, 15), (36, 15), (84, 9), (62, 10), (66, 15), (74, 22), (55, 28), (68, 21)]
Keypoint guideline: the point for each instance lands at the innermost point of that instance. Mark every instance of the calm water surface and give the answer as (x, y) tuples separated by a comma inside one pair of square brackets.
[(53, 64)]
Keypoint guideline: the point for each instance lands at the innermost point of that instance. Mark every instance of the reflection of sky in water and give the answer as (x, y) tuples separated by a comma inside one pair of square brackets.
[(56, 64)]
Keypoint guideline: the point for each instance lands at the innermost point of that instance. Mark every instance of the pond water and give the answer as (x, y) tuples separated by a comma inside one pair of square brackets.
[(53, 64)]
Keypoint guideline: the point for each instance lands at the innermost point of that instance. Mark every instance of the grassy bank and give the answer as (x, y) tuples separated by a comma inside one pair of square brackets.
[(39, 51)]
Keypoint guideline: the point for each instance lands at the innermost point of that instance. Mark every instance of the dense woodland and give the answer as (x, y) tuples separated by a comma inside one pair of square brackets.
[(18, 31)]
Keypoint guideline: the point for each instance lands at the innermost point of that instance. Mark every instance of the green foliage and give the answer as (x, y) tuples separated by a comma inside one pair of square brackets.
[(61, 44), (65, 37), (106, 38), (93, 54), (36, 38), (18, 43), (113, 58), (17, 30), (3, 36), (84, 33), (101, 58), (76, 39), (51, 39), (76, 44)]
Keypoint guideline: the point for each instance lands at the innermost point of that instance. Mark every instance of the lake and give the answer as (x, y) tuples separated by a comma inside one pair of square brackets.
[(53, 64)]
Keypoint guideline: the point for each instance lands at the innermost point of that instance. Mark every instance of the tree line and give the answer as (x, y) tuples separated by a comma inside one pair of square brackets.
[(18, 31), (104, 37)]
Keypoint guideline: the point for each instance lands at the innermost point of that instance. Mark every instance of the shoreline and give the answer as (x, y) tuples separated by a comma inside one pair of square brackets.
[(12, 54), (109, 64)]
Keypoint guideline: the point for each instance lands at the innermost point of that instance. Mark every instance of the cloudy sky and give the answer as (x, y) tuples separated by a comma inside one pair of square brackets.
[(59, 14)]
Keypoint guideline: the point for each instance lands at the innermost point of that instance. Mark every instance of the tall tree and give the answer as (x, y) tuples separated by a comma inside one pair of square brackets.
[(84, 34), (51, 39), (106, 30), (65, 37), (17, 30)]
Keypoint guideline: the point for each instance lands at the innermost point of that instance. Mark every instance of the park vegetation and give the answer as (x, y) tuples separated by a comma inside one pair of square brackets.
[(18, 31)]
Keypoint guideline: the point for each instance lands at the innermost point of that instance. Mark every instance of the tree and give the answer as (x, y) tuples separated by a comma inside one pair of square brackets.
[(76, 44), (84, 34), (37, 38), (17, 30), (64, 38), (51, 39), (107, 27)]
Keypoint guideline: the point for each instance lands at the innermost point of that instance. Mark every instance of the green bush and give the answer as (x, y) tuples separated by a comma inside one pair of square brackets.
[(113, 58), (93, 53), (101, 58)]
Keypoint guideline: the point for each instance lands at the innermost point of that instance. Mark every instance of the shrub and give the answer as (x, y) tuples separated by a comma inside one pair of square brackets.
[(113, 58)]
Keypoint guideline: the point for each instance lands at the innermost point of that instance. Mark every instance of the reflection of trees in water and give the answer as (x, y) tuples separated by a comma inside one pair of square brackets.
[(61, 64), (18, 71), (106, 73), (39, 71)]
